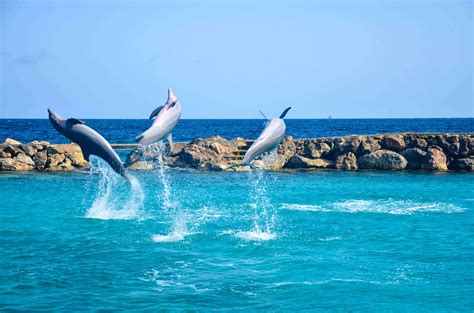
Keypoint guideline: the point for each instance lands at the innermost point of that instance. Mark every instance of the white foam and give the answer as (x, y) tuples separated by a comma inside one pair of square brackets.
[(113, 200), (304, 207), (256, 235), (384, 206), (398, 207)]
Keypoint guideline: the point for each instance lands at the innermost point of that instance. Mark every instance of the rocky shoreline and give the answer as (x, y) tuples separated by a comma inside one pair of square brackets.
[(401, 151)]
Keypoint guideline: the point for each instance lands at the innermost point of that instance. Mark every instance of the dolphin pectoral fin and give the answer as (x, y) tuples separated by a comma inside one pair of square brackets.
[(74, 121), (156, 112), (170, 141)]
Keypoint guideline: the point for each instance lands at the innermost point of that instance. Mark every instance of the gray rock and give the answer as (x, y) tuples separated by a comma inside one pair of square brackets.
[(24, 159), (382, 160), (414, 156), (28, 149), (14, 165), (465, 164), (40, 159), (368, 146), (394, 142)]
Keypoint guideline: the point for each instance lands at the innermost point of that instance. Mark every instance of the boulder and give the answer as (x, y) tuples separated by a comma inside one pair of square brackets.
[(40, 159), (416, 142), (12, 150), (10, 141), (196, 156), (300, 162), (394, 142), (435, 159), (382, 160), (465, 164), (140, 165), (369, 145), (217, 144), (14, 165), (344, 145), (414, 156), (5, 155), (316, 149), (466, 147), (72, 151), (23, 158), (28, 149), (347, 162)]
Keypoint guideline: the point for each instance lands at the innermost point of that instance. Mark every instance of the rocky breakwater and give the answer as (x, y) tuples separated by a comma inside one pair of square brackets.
[(40, 156), (415, 151)]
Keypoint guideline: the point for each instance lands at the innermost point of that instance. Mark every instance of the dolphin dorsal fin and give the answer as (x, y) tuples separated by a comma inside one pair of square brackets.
[(156, 111), (282, 116), (74, 121)]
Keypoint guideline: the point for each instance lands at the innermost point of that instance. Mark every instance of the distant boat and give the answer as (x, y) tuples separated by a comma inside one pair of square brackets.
[(330, 117)]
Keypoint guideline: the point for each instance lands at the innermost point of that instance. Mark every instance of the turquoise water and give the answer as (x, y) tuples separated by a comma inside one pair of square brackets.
[(177, 240)]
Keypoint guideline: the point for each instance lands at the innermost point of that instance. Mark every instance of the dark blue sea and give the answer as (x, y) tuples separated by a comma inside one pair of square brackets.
[(124, 131)]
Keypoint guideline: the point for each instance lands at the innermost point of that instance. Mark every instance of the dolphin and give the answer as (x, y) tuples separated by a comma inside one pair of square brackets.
[(166, 118), (90, 141), (269, 139)]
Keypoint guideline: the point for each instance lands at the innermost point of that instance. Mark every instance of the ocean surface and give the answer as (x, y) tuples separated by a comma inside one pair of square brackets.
[(251, 241), (124, 131)]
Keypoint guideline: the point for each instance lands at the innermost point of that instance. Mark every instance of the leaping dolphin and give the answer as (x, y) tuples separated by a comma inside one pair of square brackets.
[(167, 116), (268, 140), (90, 141)]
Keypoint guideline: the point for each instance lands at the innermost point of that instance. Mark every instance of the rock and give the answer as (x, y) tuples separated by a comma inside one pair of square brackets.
[(215, 143), (300, 162), (347, 162), (347, 144), (412, 141), (316, 150), (394, 142), (72, 151), (466, 146), (414, 156), (24, 159), (53, 161), (465, 164), (382, 160), (14, 165), (10, 141), (5, 155), (368, 146), (40, 159), (12, 150), (435, 159), (41, 143), (140, 165), (28, 149), (196, 156)]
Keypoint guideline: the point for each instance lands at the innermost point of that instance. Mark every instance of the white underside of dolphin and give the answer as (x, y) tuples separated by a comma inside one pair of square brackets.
[(269, 139), (167, 116)]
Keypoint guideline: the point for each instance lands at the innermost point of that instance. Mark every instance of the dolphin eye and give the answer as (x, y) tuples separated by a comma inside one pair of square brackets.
[(172, 104)]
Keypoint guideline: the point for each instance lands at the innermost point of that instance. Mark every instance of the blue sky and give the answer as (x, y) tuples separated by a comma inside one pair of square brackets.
[(348, 59)]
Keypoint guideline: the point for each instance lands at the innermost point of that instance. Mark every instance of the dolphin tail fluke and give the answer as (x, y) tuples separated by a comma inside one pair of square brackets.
[(282, 116), (170, 141)]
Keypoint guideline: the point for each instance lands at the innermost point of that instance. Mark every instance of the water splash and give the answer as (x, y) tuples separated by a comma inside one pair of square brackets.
[(264, 218), (115, 198), (171, 207)]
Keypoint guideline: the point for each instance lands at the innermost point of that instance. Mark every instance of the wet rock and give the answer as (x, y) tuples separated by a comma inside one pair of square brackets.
[(14, 165), (465, 164), (394, 142), (382, 160), (414, 156), (300, 162), (10, 141), (347, 162), (435, 159)]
